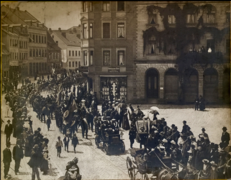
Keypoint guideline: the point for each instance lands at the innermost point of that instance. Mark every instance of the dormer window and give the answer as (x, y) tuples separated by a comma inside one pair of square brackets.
[(171, 19), (191, 18)]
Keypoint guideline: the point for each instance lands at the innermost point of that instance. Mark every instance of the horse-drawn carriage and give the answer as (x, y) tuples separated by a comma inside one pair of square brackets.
[(150, 165), (108, 133)]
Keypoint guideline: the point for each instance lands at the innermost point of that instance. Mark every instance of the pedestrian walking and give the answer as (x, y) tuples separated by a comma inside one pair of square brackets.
[(48, 123), (8, 131), (34, 162), (75, 141), (30, 123), (59, 145), (196, 103), (7, 159), (132, 136), (66, 140), (17, 156), (225, 138)]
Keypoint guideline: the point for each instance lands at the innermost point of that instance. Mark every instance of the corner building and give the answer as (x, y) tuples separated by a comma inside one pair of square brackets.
[(135, 50)]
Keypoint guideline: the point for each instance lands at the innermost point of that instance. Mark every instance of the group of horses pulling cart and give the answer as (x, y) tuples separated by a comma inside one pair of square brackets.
[(107, 132)]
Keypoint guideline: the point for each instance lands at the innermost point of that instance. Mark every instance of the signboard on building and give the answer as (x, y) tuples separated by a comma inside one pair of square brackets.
[(14, 63), (113, 69)]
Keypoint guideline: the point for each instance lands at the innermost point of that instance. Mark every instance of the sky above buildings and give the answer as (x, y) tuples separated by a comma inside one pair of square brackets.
[(52, 14)]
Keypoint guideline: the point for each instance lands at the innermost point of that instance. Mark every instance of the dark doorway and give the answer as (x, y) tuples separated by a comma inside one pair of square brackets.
[(171, 85), (152, 83), (210, 85), (226, 86), (191, 85)]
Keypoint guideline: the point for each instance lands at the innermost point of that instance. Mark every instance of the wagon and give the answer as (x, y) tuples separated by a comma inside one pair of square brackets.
[(152, 168), (111, 140)]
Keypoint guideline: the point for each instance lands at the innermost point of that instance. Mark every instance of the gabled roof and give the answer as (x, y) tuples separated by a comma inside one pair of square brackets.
[(51, 44), (69, 40)]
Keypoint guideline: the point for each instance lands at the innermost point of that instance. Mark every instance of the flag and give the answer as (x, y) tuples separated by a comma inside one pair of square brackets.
[(64, 55)]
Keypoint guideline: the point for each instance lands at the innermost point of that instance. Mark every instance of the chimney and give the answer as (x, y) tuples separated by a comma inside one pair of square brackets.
[(59, 29), (64, 34)]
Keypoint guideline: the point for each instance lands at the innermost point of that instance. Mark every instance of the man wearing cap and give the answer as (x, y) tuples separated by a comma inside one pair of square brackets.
[(8, 130), (185, 127), (7, 159), (225, 138), (17, 156), (204, 134)]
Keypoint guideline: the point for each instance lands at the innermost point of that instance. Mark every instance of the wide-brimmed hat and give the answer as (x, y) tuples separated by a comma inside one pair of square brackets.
[(164, 140), (173, 142), (224, 128), (173, 125), (73, 168), (184, 121), (205, 161), (203, 129)]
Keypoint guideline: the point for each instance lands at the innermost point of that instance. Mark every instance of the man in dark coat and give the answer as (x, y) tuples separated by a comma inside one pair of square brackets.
[(225, 138), (17, 156), (8, 130), (7, 159), (185, 127), (35, 161), (48, 123), (196, 103), (66, 140), (132, 136)]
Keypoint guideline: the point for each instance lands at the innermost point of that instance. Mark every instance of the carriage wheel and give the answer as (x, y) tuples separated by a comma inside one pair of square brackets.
[(131, 170)]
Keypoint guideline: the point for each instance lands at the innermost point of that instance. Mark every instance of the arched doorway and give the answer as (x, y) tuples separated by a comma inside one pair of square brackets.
[(171, 84), (152, 83), (210, 86), (191, 85), (226, 86)]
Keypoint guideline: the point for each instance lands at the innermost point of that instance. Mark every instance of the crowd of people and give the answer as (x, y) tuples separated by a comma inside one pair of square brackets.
[(73, 107)]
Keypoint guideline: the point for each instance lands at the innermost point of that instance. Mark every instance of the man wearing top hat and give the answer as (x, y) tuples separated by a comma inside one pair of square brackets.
[(8, 130), (225, 138)]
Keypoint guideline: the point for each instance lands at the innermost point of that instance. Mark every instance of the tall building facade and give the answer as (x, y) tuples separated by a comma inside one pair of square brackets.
[(157, 52), (108, 47), (35, 47)]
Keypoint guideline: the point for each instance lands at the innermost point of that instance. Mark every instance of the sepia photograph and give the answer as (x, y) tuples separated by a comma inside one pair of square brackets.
[(115, 90)]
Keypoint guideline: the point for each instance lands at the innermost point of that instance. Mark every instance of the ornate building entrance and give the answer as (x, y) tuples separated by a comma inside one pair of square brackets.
[(152, 83), (113, 87)]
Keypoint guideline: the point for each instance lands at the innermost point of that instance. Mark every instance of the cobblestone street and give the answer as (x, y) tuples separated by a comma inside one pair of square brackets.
[(93, 162)]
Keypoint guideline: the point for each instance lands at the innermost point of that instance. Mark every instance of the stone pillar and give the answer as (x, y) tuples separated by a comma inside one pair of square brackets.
[(200, 81), (161, 84)]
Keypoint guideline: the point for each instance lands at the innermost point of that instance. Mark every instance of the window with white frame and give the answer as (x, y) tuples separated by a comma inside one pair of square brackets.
[(73, 53), (106, 30), (85, 57), (91, 57), (171, 19), (191, 18), (69, 64), (85, 34), (106, 6), (106, 58), (121, 30), (76, 64), (121, 57), (91, 30), (69, 53), (73, 64)]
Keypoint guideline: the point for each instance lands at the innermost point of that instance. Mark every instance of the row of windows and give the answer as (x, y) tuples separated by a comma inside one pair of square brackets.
[(74, 64), (54, 55), (36, 38), (74, 53), (18, 56), (106, 6), (88, 60), (37, 67), (17, 43), (106, 30), (38, 52)]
